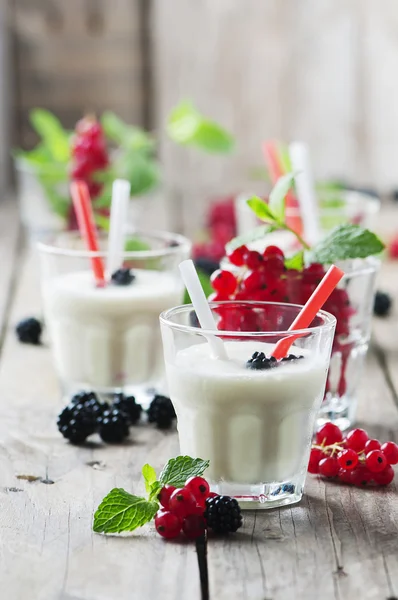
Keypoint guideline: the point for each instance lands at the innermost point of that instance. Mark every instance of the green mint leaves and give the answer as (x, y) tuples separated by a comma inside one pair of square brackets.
[(346, 242), (53, 135), (179, 469), (188, 127), (120, 511)]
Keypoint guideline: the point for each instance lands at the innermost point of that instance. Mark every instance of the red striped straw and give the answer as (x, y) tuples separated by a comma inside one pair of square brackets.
[(310, 309), (85, 219)]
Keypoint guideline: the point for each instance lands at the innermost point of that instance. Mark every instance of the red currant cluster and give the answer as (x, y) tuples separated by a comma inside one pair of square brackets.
[(183, 508), (355, 459), (89, 153), (221, 228)]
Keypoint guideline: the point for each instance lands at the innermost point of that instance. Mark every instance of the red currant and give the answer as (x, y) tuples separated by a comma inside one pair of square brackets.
[(372, 445), (167, 524), (356, 439), (315, 456), (273, 251), (384, 477), (361, 476), (254, 281), (164, 495), (236, 257), (274, 264), (223, 282), (219, 297), (347, 459), (253, 260), (199, 487), (328, 467), (313, 273), (390, 451), (329, 434), (212, 495), (345, 475), (376, 461), (194, 526), (182, 502)]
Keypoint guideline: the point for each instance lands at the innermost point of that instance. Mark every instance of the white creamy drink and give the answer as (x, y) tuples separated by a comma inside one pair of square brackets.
[(255, 426), (108, 337)]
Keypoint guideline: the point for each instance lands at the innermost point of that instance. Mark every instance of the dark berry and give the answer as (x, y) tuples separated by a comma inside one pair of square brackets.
[(347, 459), (161, 411), (167, 525), (164, 495), (199, 488), (77, 422), (328, 434), (194, 526), (382, 304), (128, 405), (223, 514), (291, 357), (122, 277), (376, 461), (29, 331), (390, 451), (182, 503), (113, 426), (356, 439)]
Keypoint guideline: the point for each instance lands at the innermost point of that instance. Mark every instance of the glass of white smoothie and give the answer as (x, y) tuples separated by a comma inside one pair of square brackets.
[(252, 416), (107, 339)]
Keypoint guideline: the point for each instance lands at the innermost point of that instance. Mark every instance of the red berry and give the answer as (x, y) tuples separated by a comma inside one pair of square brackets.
[(372, 445), (273, 251), (376, 461), (253, 260), (347, 459), (164, 495), (345, 476), (393, 249), (328, 434), (219, 297), (254, 281), (384, 477), (236, 257), (212, 495), (313, 273), (194, 526), (361, 476), (274, 264), (357, 439), (315, 456), (182, 502), (328, 467), (199, 487), (390, 451), (167, 524), (223, 282)]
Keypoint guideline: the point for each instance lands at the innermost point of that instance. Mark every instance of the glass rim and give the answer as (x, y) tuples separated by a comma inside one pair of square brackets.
[(329, 320), (180, 243)]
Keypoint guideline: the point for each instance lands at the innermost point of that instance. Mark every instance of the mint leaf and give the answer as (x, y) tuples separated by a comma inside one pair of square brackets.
[(277, 196), (206, 285), (250, 236), (122, 134), (149, 475), (134, 244), (296, 261), (188, 127), (54, 136), (179, 469), (345, 242), (261, 209), (154, 490), (120, 511)]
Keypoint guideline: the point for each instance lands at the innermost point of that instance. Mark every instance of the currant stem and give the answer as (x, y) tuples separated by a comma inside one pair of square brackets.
[(298, 236)]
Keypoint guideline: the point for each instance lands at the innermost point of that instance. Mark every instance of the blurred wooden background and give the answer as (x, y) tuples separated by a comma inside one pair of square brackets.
[(319, 70)]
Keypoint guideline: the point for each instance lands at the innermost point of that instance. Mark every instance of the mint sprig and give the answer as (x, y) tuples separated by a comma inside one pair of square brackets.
[(121, 511), (346, 242)]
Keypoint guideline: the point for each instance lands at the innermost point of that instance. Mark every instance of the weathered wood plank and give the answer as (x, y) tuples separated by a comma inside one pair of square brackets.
[(9, 248), (47, 548)]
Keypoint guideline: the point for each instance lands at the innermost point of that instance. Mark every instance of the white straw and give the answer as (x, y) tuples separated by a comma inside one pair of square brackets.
[(201, 306), (300, 160), (118, 219)]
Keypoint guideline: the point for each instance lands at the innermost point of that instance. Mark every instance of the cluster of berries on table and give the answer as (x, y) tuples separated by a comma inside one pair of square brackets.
[(86, 415), (355, 459), (193, 509), (89, 153)]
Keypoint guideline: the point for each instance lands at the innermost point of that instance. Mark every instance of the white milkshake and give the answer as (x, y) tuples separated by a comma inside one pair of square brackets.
[(109, 337), (255, 427)]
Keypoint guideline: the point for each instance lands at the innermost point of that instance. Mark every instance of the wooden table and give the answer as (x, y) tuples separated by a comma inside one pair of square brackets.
[(338, 543)]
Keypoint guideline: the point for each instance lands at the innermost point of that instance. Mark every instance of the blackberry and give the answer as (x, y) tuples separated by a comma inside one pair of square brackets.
[(91, 402), (29, 331), (260, 362), (128, 405), (76, 422), (122, 276), (291, 357), (113, 426), (223, 514), (161, 411), (382, 304)]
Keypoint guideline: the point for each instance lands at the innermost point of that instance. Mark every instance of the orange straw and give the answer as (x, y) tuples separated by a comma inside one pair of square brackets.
[(310, 309), (85, 219)]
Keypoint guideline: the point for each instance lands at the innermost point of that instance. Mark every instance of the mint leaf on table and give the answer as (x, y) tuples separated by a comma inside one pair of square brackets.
[(188, 127), (346, 242), (296, 261), (120, 511), (179, 469), (277, 196)]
